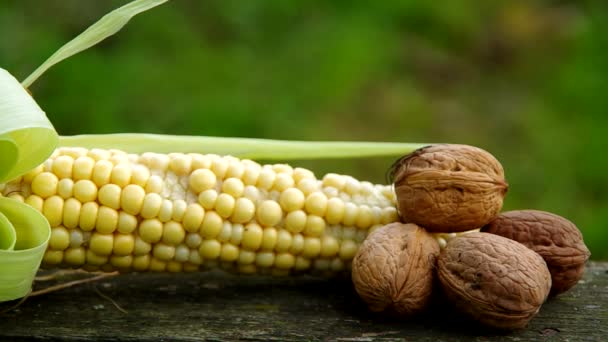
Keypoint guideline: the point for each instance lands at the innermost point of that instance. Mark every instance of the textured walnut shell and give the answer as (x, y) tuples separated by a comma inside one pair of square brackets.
[(496, 281), (555, 238), (449, 188), (393, 269)]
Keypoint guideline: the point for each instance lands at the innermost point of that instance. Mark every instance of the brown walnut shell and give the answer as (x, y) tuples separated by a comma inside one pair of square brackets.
[(449, 188), (555, 238), (496, 281), (393, 269)]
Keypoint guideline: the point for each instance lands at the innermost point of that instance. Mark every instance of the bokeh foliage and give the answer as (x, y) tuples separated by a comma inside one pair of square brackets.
[(525, 80)]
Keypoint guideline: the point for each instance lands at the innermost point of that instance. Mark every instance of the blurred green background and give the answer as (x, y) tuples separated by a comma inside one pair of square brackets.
[(525, 80)]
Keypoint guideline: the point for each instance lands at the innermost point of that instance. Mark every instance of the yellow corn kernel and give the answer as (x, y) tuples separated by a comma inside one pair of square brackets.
[(109, 195), (182, 253), (266, 179), (292, 199), (163, 251), (74, 256), (229, 252), (151, 230), (285, 261), (236, 234), (94, 259), (52, 257), (284, 238), (269, 213), (219, 166), (348, 249), (65, 188), (127, 223), (45, 184), (201, 180), (246, 257), (247, 269), (141, 262), (389, 215), (88, 216), (157, 265), (295, 221), (102, 172), (312, 247), (211, 226), (151, 205), (283, 181), (121, 175), (179, 210), (335, 210), (173, 233), (154, 185), (210, 249), (224, 205), (140, 175), (302, 263), (233, 187), (102, 244), (166, 210), (244, 210), (107, 220), (250, 175), (316, 203), (269, 238), (308, 186), (60, 238), (53, 210), (132, 199), (83, 168), (35, 201), (124, 244), (315, 226), (121, 261), (193, 240), (329, 246), (207, 199), (351, 211), (141, 247), (252, 236), (193, 217), (297, 244), (62, 166), (364, 218), (264, 259), (85, 191)]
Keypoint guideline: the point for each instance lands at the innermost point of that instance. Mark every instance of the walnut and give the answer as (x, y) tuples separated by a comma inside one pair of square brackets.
[(555, 238), (494, 280), (449, 188), (393, 269)]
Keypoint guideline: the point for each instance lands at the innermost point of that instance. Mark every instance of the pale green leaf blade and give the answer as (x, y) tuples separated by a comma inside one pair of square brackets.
[(102, 29), (27, 137), (239, 147)]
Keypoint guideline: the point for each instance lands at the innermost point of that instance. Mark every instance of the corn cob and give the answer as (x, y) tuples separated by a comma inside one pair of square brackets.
[(110, 210)]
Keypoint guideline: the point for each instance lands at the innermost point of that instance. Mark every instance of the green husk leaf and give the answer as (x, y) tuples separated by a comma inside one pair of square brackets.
[(102, 29), (239, 147), (18, 265)]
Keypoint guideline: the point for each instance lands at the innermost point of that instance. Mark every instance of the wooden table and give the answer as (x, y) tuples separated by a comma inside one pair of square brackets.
[(216, 306)]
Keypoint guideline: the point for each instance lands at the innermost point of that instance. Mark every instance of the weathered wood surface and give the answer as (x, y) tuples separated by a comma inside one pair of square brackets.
[(215, 306)]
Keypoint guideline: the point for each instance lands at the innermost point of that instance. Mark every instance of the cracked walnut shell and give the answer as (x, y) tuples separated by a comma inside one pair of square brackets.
[(555, 238), (496, 281), (449, 188), (393, 269)]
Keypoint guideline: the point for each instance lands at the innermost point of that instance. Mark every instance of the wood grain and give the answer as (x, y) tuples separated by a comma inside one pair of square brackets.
[(216, 306)]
